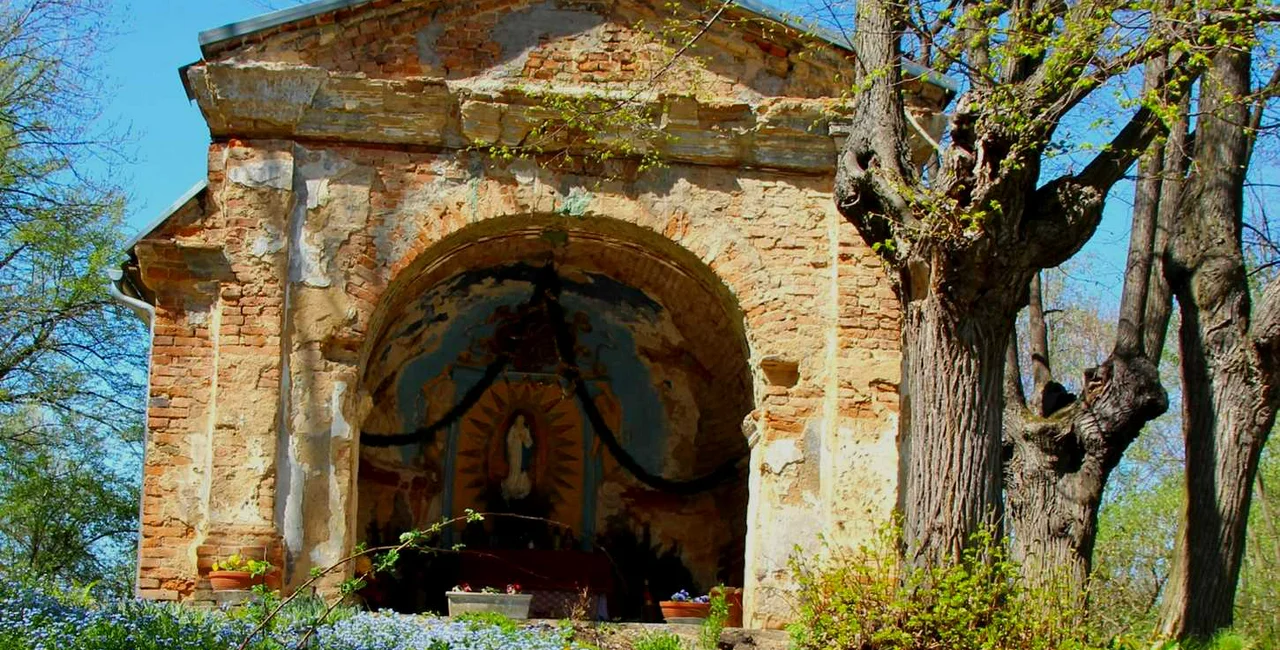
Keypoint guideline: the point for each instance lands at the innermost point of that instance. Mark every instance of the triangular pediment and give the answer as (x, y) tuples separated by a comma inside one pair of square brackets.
[(742, 54)]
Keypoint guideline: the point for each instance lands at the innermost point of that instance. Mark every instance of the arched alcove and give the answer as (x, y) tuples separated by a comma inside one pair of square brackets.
[(586, 372)]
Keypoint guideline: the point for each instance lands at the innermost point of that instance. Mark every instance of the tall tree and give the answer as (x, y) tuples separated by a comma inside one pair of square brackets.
[(71, 362), (964, 242), (62, 346), (68, 505), (1061, 448), (1229, 349)]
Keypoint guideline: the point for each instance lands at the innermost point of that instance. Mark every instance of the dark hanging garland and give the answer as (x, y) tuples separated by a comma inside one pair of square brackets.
[(424, 434), (547, 291), (565, 346)]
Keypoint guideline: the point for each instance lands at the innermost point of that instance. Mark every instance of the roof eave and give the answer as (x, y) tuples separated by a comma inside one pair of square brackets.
[(273, 19), (211, 37), (173, 209)]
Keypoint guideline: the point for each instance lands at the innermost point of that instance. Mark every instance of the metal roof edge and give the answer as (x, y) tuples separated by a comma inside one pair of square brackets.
[(274, 19), (169, 212), (300, 12)]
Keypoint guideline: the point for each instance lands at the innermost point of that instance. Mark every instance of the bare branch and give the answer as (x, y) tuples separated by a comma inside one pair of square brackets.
[(1133, 299)]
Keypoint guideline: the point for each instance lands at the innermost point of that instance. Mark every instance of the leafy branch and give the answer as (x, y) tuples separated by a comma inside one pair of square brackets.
[(384, 559)]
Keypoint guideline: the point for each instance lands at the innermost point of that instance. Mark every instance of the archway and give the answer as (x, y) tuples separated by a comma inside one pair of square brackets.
[(585, 379)]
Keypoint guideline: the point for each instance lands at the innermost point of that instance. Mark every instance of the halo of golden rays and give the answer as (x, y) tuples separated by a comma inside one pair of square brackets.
[(557, 466)]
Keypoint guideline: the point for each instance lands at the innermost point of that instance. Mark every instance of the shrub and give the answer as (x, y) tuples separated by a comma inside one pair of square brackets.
[(863, 601), (479, 620), (713, 625)]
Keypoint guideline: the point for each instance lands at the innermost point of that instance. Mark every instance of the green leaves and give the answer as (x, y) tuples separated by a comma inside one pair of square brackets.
[(870, 601), (592, 126), (71, 362), (68, 514)]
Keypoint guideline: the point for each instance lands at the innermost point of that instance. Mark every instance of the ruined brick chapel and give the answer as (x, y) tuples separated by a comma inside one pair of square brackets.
[(384, 306)]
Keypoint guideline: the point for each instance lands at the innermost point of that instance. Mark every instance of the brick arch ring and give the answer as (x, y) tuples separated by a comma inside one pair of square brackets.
[(703, 308)]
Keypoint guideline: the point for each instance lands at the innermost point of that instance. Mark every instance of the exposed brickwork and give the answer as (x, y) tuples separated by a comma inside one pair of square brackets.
[(416, 38)]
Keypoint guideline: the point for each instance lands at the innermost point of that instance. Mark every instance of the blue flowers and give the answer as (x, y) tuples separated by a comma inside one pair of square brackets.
[(34, 620), (380, 631), (683, 596)]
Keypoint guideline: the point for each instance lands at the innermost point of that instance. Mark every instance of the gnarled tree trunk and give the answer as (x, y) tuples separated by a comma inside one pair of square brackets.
[(1061, 450), (1059, 463), (963, 247)]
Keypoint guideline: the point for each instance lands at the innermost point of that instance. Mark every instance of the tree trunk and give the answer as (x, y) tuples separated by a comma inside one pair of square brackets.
[(1222, 418), (1228, 363), (952, 378), (1059, 463), (963, 246), (1060, 451)]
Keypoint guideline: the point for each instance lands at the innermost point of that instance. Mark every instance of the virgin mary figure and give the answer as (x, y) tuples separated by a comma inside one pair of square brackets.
[(517, 485)]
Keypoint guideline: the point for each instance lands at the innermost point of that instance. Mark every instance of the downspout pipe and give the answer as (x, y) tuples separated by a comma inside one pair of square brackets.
[(147, 313), (143, 310)]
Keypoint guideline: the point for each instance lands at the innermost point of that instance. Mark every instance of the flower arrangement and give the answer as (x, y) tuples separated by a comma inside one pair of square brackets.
[(464, 588), (682, 596), (237, 572), (511, 602), (682, 608), (237, 562)]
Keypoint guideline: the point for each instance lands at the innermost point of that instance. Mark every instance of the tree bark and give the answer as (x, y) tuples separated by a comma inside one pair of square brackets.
[(1041, 372), (1060, 451), (953, 454), (1172, 171), (1229, 360), (1058, 465)]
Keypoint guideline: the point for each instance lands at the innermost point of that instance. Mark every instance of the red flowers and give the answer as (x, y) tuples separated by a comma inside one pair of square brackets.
[(513, 588)]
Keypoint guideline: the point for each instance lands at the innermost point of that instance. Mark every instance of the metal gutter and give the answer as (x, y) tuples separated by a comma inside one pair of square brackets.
[(300, 12), (147, 313), (144, 310)]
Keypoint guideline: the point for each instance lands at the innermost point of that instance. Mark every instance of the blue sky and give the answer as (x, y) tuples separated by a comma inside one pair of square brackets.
[(170, 136)]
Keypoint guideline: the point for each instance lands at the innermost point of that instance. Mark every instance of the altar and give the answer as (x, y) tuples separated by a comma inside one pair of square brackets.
[(559, 580)]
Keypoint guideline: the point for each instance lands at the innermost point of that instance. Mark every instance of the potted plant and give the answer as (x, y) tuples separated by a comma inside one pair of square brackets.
[(732, 598), (510, 603), (683, 608), (238, 573)]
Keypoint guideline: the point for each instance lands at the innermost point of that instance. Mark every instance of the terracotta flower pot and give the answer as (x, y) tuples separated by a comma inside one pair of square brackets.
[(732, 598), (241, 580), (673, 610)]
